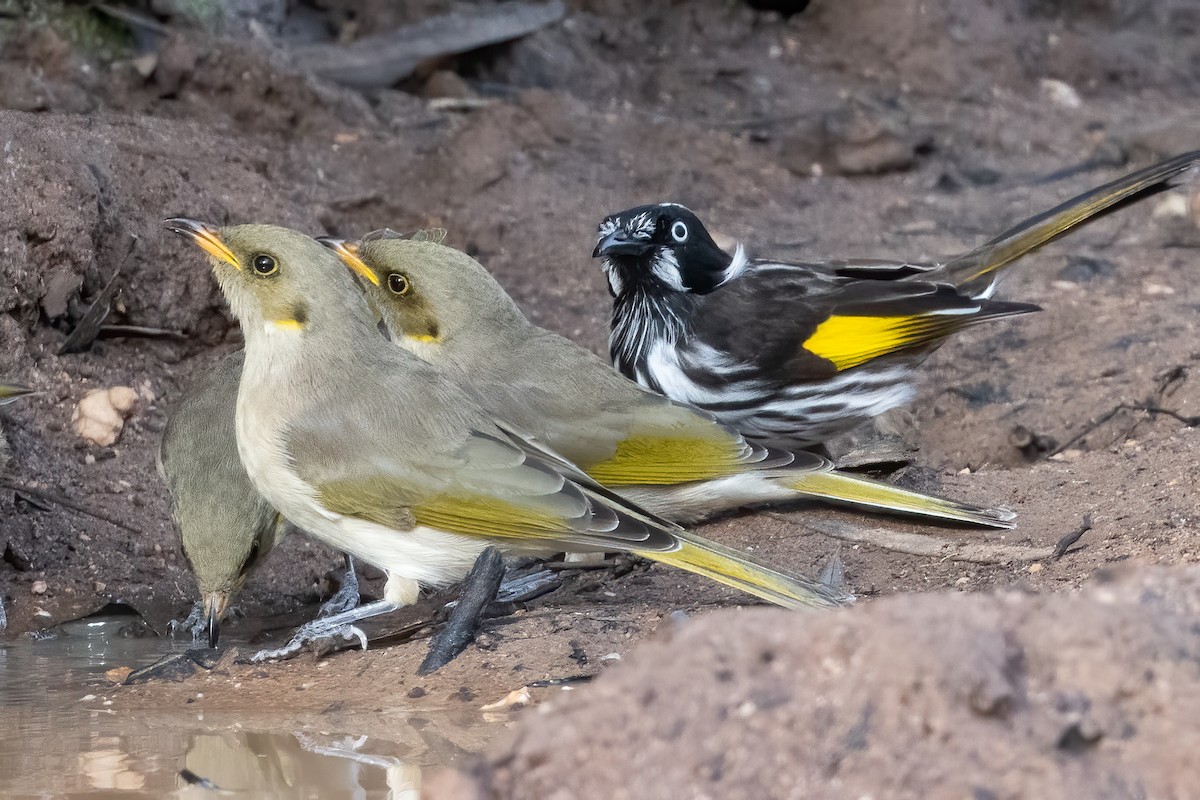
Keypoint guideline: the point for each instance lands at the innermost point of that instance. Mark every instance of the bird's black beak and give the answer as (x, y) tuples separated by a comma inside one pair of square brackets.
[(204, 236), (214, 631), (619, 243), (214, 609)]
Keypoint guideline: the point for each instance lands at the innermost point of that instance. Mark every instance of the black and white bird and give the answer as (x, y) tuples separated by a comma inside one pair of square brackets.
[(791, 354)]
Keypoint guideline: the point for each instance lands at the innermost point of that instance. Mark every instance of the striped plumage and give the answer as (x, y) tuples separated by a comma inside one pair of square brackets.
[(791, 354)]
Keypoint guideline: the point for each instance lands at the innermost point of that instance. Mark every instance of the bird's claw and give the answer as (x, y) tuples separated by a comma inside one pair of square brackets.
[(527, 587), (194, 624), (312, 633)]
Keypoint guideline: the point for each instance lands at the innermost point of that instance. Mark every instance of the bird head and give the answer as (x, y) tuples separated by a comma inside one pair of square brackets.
[(274, 278), (222, 554), (661, 248), (426, 293)]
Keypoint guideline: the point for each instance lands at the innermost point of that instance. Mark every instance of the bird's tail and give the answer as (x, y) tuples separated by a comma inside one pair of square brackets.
[(728, 566), (11, 391), (841, 487), (975, 272)]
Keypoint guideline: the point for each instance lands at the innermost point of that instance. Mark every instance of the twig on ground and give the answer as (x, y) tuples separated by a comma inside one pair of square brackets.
[(1064, 544)]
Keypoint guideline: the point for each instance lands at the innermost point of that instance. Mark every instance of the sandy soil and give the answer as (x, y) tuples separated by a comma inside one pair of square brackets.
[(1000, 696), (855, 128)]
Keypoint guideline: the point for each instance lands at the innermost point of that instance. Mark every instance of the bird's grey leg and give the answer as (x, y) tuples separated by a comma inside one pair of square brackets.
[(833, 574), (343, 624), (336, 626), (347, 597)]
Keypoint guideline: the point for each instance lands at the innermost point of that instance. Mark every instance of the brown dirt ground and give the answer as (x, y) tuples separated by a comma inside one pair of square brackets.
[(1000, 696), (856, 128)]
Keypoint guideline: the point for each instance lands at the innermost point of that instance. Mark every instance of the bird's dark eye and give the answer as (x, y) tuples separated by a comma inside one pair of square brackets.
[(398, 284), (679, 232), (265, 264)]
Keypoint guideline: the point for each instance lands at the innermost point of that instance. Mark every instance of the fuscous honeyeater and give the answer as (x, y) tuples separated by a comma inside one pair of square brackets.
[(225, 525), (672, 459), (375, 452), (791, 354)]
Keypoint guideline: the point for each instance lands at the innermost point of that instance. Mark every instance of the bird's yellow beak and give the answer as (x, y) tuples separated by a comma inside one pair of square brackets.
[(348, 253), (205, 237), (214, 609)]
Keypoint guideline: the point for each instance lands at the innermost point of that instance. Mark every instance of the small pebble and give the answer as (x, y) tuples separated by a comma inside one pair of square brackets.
[(118, 674), (517, 697), (1035, 568), (1060, 93), (38, 587), (1173, 204)]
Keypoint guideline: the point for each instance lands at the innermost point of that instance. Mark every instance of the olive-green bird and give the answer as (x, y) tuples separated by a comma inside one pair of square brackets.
[(375, 452), (225, 525), (670, 458)]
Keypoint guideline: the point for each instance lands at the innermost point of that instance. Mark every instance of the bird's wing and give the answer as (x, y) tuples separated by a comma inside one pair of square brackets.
[(616, 431), (811, 323), (421, 469)]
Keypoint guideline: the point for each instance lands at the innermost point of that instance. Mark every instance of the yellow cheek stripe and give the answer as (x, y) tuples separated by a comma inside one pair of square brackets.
[(848, 341), (286, 325), (423, 338)]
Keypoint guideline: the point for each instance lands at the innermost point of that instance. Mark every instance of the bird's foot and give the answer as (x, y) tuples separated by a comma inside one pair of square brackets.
[(347, 596), (338, 626), (195, 624), (527, 587)]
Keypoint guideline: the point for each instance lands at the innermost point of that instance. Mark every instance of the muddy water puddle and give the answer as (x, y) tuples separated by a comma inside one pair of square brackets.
[(63, 733)]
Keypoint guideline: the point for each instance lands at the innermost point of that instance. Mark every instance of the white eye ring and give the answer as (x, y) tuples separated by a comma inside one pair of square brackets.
[(679, 232)]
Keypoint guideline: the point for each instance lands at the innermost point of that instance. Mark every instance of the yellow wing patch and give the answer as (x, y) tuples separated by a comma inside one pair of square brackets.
[(384, 503), (485, 516), (848, 341), (658, 460)]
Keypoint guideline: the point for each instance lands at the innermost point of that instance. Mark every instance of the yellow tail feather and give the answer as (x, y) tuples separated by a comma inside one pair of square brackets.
[(968, 270), (843, 488), (735, 569)]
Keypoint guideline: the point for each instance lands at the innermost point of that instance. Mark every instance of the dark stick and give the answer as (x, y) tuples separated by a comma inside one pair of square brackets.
[(29, 495), (1071, 538), (478, 591)]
